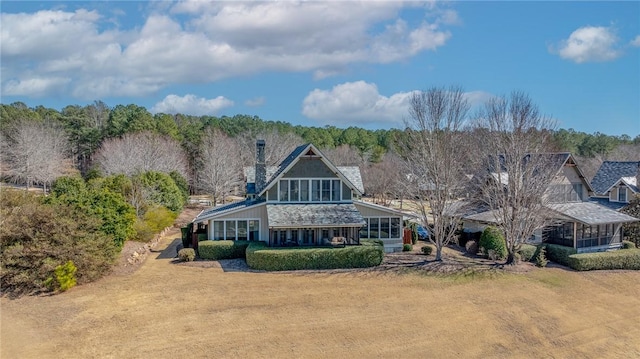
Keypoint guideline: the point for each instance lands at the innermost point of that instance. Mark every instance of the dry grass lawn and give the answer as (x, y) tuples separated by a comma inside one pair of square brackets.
[(166, 310)]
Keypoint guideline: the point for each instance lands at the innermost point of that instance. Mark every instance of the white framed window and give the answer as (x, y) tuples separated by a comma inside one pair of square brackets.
[(236, 230), (622, 194)]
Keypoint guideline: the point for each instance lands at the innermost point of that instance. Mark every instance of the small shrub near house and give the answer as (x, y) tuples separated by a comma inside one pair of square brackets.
[(187, 255), (427, 250), (541, 257), (261, 257), (492, 241), (620, 259), (216, 250), (527, 251), (407, 247), (64, 277), (559, 254), (628, 245)]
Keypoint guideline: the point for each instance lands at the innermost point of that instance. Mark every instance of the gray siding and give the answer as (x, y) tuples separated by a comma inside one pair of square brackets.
[(310, 168)]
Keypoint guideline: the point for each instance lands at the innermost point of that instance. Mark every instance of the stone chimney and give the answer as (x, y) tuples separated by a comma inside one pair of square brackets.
[(261, 166)]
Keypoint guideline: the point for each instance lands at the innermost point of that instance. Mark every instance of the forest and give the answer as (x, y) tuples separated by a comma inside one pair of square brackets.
[(119, 173)]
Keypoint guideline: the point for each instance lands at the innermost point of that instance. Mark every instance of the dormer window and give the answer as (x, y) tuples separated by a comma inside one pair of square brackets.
[(622, 194)]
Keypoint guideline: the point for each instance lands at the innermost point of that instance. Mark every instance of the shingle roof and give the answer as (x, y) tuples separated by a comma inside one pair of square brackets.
[(224, 208), (610, 172), (285, 163), (591, 213), (616, 206), (314, 215), (352, 173)]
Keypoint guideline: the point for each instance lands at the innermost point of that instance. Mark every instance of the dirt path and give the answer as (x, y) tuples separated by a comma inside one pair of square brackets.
[(167, 310)]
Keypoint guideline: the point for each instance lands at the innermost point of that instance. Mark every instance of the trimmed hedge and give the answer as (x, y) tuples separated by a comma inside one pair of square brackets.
[(407, 247), (628, 245), (259, 256), (187, 254), (427, 250), (527, 251), (216, 250), (559, 254), (620, 259), (372, 242)]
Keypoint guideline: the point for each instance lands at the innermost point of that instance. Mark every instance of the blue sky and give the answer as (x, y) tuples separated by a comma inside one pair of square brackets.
[(326, 63)]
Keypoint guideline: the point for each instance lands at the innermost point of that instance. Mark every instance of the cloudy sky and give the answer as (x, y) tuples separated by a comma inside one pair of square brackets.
[(327, 62)]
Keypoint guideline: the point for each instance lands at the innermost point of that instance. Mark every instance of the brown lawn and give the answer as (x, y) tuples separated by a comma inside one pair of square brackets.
[(166, 310)]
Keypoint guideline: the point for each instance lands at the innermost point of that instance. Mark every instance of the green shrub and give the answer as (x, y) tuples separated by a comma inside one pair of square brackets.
[(628, 245), (187, 254), (427, 250), (37, 237), (541, 258), (216, 250), (527, 252), (373, 242), (620, 259), (202, 237), (407, 247), (493, 240), (559, 254), (259, 256), (65, 277)]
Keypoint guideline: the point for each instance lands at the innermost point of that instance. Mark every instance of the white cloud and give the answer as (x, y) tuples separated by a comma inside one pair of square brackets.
[(636, 42), (356, 103), (255, 102), (35, 87), (191, 105), (590, 44), (201, 42), (360, 104)]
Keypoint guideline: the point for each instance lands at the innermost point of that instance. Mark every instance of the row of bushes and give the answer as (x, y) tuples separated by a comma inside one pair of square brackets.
[(216, 250), (261, 257), (621, 259)]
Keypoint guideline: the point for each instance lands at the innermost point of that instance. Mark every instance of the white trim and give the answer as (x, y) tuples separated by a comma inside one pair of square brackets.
[(317, 155), (227, 212), (211, 234)]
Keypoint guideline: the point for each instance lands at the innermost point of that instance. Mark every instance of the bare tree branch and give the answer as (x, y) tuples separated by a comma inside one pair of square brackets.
[(221, 167)]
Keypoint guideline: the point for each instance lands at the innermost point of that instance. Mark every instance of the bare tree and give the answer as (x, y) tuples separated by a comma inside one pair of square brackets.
[(220, 173), (278, 146), (435, 158), (383, 179), (518, 168), (344, 155), (141, 152), (35, 153)]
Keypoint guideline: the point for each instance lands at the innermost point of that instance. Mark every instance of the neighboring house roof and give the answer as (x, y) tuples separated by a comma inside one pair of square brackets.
[(590, 213), (354, 179), (313, 215), (379, 207), (616, 206), (611, 172), (492, 216), (226, 209)]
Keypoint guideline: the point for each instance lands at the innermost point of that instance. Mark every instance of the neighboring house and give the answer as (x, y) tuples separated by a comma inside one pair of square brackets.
[(616, 183), (574, 221), (304, 201)]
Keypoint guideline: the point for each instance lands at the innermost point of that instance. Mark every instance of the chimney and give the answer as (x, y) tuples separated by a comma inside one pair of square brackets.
[(261, 166)]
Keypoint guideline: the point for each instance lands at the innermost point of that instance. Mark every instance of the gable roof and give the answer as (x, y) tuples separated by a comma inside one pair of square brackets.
[(226, 209), (610, 173), (314, 215), (294, 156)]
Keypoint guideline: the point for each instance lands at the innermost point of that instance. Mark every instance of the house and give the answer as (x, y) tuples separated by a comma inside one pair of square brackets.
[(616, 183), (304, 201), (573, 220)]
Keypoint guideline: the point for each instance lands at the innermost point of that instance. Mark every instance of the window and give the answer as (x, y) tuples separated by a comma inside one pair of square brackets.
[(561, 193), (254, 230), (326, 190), (218, 230), (577, 191), (384, 227), (364, 231), (622, 194), (373, 227), (284, 190), (315, 190), (335, 190), (294, 190), (395, 227), (242, 231), (304, 190), (231, 230)]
